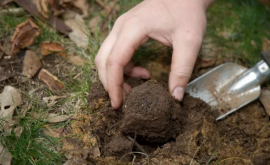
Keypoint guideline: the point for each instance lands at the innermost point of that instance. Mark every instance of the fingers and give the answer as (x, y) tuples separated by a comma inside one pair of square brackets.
[(132, 71), (119, 57), (102, 55), (185, 52)]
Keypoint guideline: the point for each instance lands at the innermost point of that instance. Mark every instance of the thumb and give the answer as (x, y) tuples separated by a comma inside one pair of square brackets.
[(185, 52)]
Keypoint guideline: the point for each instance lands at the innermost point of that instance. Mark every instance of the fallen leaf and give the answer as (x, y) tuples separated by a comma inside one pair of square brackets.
[(52, 100), (5, 74), (96, 152), (51, 132), (207, 62), (266, 44), (5, 156), (31, 64), (24, 109), (42, 6), (109, 8), (56, 118), (69, 162), (5, 46), (54, 21), (10, 98), (52, 81), (56, 8), (79, 30), (208, 55), (83, 6), (264, 98), (76, 60), (18, 131), (47, 48), (5, 2), (51, 117), (93, 24), (24, 36)]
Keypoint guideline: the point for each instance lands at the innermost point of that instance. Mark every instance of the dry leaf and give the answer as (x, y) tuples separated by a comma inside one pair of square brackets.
[(56, 8), (24, 36), (5, 74), (264, 98), (76, 60), (47, 48), (31, 64), (5, 156), (52, 100), (79, 30), (56, 118), (266, 44), (51, 117), (18, 131), (5, 46), (24, 109), (51, 132), (69, 162), (10, 98), (83, 6), (93, 24), (207, 62), (42, 6), (109, 8), (96, 152), (53, 83)]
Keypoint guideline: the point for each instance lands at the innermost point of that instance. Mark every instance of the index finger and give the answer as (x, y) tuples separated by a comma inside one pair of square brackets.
[(119, 57)]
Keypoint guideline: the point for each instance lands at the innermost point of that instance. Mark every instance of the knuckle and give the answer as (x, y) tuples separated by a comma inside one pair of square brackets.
[(182, 72), (120, 19), (132, 21), (193, 39), (109, 62)]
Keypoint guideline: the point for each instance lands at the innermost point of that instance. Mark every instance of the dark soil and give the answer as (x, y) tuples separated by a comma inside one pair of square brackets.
[(152, 127)]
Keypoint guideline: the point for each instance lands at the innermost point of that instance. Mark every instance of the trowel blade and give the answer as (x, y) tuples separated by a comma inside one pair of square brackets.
[(209, 88)]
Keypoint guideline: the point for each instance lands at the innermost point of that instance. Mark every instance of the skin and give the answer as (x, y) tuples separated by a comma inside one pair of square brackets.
[(179, 24)]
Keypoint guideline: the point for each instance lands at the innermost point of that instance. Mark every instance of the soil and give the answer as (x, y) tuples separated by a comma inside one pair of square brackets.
[(153, 128)]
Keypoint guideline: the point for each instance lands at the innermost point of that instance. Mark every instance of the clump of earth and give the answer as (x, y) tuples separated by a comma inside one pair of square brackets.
[(153, 128)]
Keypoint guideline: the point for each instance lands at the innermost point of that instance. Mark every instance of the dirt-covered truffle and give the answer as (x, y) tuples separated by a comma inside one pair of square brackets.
[(151, 113)]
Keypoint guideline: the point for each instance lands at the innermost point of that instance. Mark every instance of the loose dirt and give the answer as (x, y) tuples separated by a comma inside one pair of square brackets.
[(153, 128)]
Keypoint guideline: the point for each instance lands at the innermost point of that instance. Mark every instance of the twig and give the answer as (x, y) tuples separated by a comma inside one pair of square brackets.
[(137, 144), (133, 160), (148, 160)]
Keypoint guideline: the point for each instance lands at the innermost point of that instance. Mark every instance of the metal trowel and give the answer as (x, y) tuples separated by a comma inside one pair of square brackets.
[(230, 86)]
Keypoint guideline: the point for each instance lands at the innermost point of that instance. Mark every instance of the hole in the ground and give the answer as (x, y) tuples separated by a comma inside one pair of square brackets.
[(149, 147)]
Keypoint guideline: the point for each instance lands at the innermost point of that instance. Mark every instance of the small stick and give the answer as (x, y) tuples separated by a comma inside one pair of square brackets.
[(137, 144)]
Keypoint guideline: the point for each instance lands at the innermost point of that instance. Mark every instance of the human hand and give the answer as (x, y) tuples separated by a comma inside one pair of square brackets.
[(176, 23)]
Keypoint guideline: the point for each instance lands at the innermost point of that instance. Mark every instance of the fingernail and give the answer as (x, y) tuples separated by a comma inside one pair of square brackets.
[(178, 93)]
